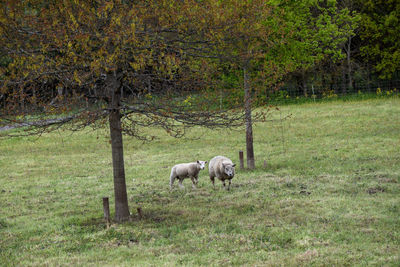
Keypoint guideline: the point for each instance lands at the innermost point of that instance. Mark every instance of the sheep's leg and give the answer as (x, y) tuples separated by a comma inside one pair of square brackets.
[(229, 185), (223, 183), (194, 181), (180, 183), (171, 181), (213, 181)]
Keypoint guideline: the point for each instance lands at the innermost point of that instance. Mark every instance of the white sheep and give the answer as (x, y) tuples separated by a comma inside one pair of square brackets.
[(222, 168), (184, 170)]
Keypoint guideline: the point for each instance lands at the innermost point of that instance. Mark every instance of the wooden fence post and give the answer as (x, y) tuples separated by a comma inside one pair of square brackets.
[(106, 210), (241, 159), (139, 211)]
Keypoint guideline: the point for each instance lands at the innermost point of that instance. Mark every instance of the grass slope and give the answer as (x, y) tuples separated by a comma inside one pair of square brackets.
[(330, 195)]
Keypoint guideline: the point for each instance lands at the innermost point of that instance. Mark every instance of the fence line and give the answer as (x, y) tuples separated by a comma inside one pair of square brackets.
[(318, 91)]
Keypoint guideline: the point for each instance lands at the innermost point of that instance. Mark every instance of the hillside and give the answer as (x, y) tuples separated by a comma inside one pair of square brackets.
[(330, 195)]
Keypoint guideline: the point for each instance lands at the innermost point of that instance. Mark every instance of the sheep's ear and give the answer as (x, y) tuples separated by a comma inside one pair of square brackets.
[(205, 162), (198, 162), (233, 165), (223, 165)]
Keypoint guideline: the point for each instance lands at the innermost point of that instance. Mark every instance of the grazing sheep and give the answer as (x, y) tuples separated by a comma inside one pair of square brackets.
[(184, 170), (222, 168)]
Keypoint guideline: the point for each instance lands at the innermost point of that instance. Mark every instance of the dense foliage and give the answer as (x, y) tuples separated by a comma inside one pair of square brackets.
[(380, 32), (332, 45), (367, 54)]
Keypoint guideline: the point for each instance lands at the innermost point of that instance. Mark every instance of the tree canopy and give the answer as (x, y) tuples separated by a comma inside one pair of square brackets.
[(380, 33), (128, 63), (83, 48)]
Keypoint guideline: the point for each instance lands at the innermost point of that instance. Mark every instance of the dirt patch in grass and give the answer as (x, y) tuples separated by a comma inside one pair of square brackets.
[(375, 190)]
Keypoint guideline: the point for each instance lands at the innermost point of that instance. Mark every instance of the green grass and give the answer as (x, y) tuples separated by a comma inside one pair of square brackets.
[(330, 195)]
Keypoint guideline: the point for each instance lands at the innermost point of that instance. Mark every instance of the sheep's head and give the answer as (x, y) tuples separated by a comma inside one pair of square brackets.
[(229, 169), (202, 164)]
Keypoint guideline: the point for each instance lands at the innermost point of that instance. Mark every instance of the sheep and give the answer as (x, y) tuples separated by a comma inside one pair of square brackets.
[(222, 168), (184, 170)]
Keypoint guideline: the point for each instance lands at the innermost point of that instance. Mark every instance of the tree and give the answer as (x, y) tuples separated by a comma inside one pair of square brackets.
[(87, 63), (349, 26), (251, 31), (380, 31), (321, 30), (268, 39)]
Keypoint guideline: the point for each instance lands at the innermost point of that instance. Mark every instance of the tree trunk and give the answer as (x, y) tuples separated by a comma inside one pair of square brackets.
[(368, 78), (34, 97), (22, 99), (249, 124), (323, 82), (349, 70), (344, 91), (304, 84), (121, 196)]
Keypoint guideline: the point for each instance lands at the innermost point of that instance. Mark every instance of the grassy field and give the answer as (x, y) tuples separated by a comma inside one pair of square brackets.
[(330, 195)]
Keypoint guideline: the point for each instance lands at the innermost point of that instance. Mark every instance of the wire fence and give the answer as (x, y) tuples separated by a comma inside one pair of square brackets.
[(377, 87), (315, 91)]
